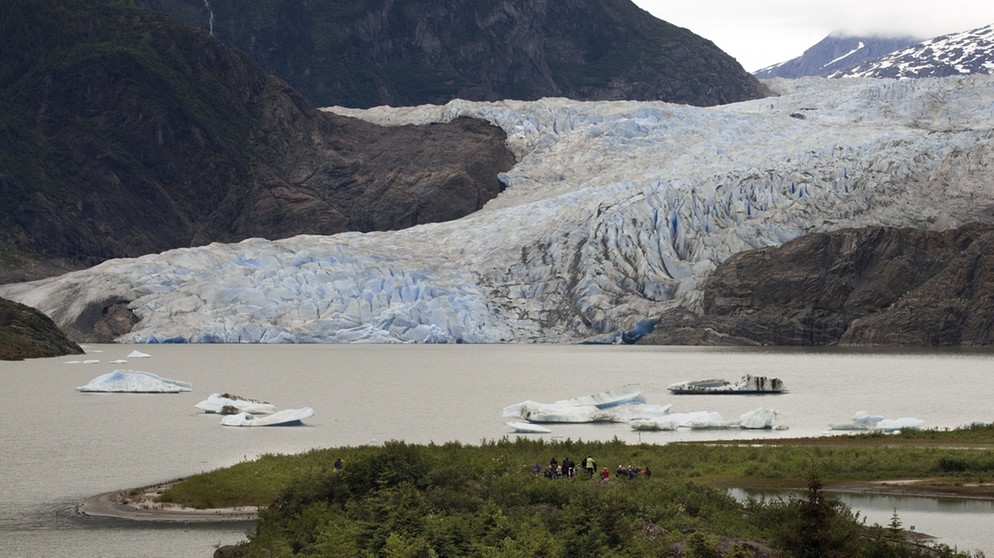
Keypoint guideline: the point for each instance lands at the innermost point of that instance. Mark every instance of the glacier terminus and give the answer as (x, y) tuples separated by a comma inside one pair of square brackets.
[(614, 212)]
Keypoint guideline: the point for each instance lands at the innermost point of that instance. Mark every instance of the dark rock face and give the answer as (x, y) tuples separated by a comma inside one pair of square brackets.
[(872, 286), (125, 133), (410, 52), (27, 333)]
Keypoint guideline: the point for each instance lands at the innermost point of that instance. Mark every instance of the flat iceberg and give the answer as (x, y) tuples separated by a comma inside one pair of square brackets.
[(227, 404), (132, 381), (621, 404), (527, 428), (286, 417), (747, 385), (863, 421), (759, 419)]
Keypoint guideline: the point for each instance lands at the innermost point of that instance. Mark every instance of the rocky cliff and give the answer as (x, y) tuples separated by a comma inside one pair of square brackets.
[(872, 286), (124, 133), (410, 52), (27, 333)]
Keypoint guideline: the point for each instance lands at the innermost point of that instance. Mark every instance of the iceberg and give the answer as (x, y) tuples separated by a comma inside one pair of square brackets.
[(614, 211), (747, 385), (138, 354), (226, 404), (286, 417), (761, 419), (527, 428), (621, 404), (709, 420), (131, 381), (863, 421)]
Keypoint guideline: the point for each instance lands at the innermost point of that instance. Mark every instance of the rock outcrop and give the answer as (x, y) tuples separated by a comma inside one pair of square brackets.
[(411, 52), (126, 133), (27, 333), (870, 286)]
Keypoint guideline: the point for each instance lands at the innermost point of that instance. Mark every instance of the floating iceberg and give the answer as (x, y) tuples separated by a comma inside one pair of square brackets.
[(227, 404), (286, 417), (617, 405), (138, 354), (527, 428), (865, 421), (761, 419), (747, 385), (131, 381), (710, 420)]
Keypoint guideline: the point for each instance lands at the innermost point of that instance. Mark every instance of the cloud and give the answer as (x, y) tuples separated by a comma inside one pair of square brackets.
[(762, 32)]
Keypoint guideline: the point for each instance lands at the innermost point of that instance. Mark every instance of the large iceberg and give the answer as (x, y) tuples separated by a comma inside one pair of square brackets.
[(133, 381), (614, 212), (622, 404)]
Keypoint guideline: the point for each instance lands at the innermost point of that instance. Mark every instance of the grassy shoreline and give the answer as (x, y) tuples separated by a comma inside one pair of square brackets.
[(499, 499)]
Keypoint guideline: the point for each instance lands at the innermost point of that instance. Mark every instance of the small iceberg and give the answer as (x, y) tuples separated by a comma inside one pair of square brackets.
[(286, 417), (138, 354), (747, 385), (710, 420), (227, 404), (527, 428), (131, 381), (863, 421)]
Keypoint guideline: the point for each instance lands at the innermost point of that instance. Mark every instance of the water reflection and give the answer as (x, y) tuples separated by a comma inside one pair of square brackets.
[(960, 522)]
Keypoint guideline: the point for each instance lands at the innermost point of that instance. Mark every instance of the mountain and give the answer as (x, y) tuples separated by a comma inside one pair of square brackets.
[(27, 333), (833, 53), (968, 52), (868, 286), (409, 52), (124, 133), (615, 214)]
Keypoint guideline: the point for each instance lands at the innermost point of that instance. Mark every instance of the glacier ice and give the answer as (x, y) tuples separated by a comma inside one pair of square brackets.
[(133, 381), (286, 417), (614, 212), (227, 404)]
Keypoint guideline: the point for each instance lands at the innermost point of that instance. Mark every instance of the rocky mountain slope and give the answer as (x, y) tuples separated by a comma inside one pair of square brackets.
[(968, 52), (124, 133), (27, 333), (410, 52), (615, 214), (833, 53), (869, 286)]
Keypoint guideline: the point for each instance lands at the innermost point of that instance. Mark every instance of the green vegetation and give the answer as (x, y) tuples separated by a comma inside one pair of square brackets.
[(487, 500)]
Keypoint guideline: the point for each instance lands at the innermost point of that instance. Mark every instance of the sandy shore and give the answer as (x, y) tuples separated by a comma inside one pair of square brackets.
[(140, 505)]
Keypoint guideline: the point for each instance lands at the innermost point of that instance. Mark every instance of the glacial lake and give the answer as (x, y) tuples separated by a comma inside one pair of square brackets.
[(61, 446)]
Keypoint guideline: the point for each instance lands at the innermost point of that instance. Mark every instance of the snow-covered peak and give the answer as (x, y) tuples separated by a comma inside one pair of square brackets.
[(967, 52), (615, 211)]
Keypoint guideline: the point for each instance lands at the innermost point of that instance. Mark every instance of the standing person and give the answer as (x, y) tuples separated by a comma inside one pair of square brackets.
[(605, 475), (590, 465)]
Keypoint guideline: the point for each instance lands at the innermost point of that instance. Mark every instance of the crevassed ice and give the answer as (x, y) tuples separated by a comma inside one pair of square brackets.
[(614, 211)]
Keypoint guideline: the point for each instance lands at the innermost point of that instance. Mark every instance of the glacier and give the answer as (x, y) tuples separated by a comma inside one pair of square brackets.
[(614, 212)]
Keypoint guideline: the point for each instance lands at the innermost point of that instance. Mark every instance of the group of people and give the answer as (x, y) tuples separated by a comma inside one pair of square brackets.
[(568, 469)]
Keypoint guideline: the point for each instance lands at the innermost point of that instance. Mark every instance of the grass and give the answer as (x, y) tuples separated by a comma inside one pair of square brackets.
[(955, 462)]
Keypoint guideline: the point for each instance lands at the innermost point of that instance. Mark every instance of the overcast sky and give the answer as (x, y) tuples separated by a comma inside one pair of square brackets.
[(759, 33)]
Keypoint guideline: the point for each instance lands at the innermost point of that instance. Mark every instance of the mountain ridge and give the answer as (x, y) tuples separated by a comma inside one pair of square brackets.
[(836, 51), (125, 133), (966, 52), (412, 52)]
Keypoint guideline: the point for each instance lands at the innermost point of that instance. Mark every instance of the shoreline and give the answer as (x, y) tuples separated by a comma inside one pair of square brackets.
[(138, 504)]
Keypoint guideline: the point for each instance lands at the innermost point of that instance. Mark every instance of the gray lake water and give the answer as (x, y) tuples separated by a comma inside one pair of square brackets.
[(60, 446)]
